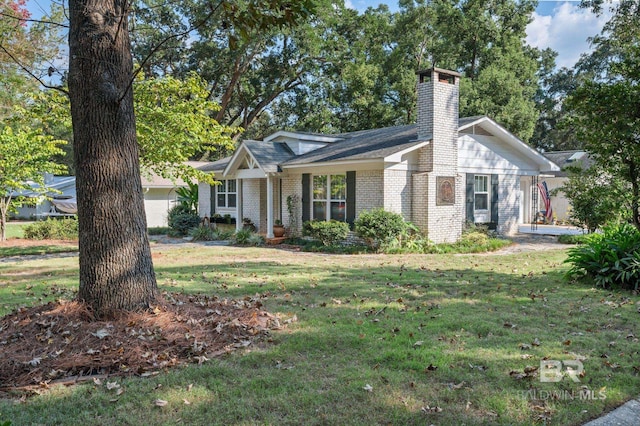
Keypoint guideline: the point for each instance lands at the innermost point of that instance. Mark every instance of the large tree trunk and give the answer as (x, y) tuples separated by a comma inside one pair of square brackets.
[(116, 271)]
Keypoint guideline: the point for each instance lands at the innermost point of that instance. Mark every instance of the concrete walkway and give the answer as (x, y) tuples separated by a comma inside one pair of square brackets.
[(549, 230), (625, 415)]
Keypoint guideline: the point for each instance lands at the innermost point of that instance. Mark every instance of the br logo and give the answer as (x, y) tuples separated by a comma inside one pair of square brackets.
[(552, 370)]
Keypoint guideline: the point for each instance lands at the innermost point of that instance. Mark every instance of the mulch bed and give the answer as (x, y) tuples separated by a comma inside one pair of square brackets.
[(62, 343)]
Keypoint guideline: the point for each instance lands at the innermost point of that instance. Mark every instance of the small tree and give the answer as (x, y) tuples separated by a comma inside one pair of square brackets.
[(25, 156), (596, 197)]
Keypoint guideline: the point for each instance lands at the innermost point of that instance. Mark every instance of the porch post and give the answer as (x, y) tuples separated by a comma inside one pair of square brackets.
[(269, 206), (239, 202)]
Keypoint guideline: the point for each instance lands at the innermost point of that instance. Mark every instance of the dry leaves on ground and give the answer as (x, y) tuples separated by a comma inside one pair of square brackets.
[(61, 342)]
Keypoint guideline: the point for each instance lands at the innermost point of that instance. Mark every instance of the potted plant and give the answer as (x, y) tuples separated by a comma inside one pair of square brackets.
[(278, 229), (247, 223)]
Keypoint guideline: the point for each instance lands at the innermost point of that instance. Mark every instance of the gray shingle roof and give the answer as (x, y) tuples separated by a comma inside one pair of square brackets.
[(269, 154), (468, 120), (217, 165), (569, 158), (362, 145)]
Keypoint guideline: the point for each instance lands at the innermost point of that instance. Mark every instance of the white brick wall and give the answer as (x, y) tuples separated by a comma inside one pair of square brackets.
[(251, 200), (508, 204), (397, 192), (204, 199), (292, 185), (369, 190)]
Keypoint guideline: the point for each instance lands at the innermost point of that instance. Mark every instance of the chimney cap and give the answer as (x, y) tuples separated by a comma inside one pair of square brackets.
[(429, 71)]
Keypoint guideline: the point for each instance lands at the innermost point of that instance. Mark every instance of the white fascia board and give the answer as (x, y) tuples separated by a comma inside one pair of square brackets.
[(473, 123), (397, 157), (301, 137), (538, 158), (237, 157)]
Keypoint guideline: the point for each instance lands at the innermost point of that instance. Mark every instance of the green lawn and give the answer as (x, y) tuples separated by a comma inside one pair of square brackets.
[(14, 230), (376, 339)]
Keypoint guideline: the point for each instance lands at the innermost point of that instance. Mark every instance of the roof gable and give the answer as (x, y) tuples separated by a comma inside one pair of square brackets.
[(258, 158)]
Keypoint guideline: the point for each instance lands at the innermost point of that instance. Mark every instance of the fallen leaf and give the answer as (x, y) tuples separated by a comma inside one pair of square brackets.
[(524, 346), (427, 410), (418, 343), (566, 342), (102, 333), (368, 388), (97, 381), (186, 401), (160, 402), (536, 342), (431, 367), (454, 386), (112, 385), (517, 375), (35, 361)]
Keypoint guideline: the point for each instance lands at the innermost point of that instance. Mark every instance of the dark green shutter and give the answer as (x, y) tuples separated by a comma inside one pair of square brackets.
[(469, 204), (306, 195), (213, 199), (351, 198), (495, 187)]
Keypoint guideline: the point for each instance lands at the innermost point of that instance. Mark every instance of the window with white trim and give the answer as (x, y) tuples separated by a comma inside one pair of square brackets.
[(481, 192), (329, 197), (226, 194)]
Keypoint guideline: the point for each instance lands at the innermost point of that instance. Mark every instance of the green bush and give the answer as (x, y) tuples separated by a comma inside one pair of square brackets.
[(246, 237), (181, 219), (158, 230), (52, 229), (329, 233), (379, 227), (572, 238), (610, 258), (204, 233)]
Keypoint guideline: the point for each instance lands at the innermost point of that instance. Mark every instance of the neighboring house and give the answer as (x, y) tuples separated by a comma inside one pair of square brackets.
[(60, 188), (438, 173), (159, 196), (562, 206)]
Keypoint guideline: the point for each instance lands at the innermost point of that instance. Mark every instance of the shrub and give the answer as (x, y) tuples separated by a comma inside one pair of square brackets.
[(572, 238), (158, 230), (52, 229), (181, 219), (246, 237), (329, 233), (610, 258), (204, 233), (379, 227)]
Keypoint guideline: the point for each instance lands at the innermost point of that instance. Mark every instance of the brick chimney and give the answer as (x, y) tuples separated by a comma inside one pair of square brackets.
[(437, 207), (438, 107)]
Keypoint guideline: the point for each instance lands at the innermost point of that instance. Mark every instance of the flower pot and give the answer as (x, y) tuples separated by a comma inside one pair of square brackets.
[(278, 231)]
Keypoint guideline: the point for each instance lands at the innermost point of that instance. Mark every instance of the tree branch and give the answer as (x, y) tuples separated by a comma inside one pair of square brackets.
[(25, 69), (37, 21), (171, 37)]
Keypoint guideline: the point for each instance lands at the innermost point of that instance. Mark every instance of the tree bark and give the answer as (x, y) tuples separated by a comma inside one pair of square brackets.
[(116, 270)]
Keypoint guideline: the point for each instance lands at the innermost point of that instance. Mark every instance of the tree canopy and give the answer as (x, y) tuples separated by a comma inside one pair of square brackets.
[(25, 156)]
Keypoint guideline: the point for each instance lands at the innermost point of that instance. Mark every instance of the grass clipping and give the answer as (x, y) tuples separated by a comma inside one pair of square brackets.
[(61, 343)]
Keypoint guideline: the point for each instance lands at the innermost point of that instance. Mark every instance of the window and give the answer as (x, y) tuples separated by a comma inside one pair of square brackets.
[(329, 197), (226, 194), (481, 192)]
